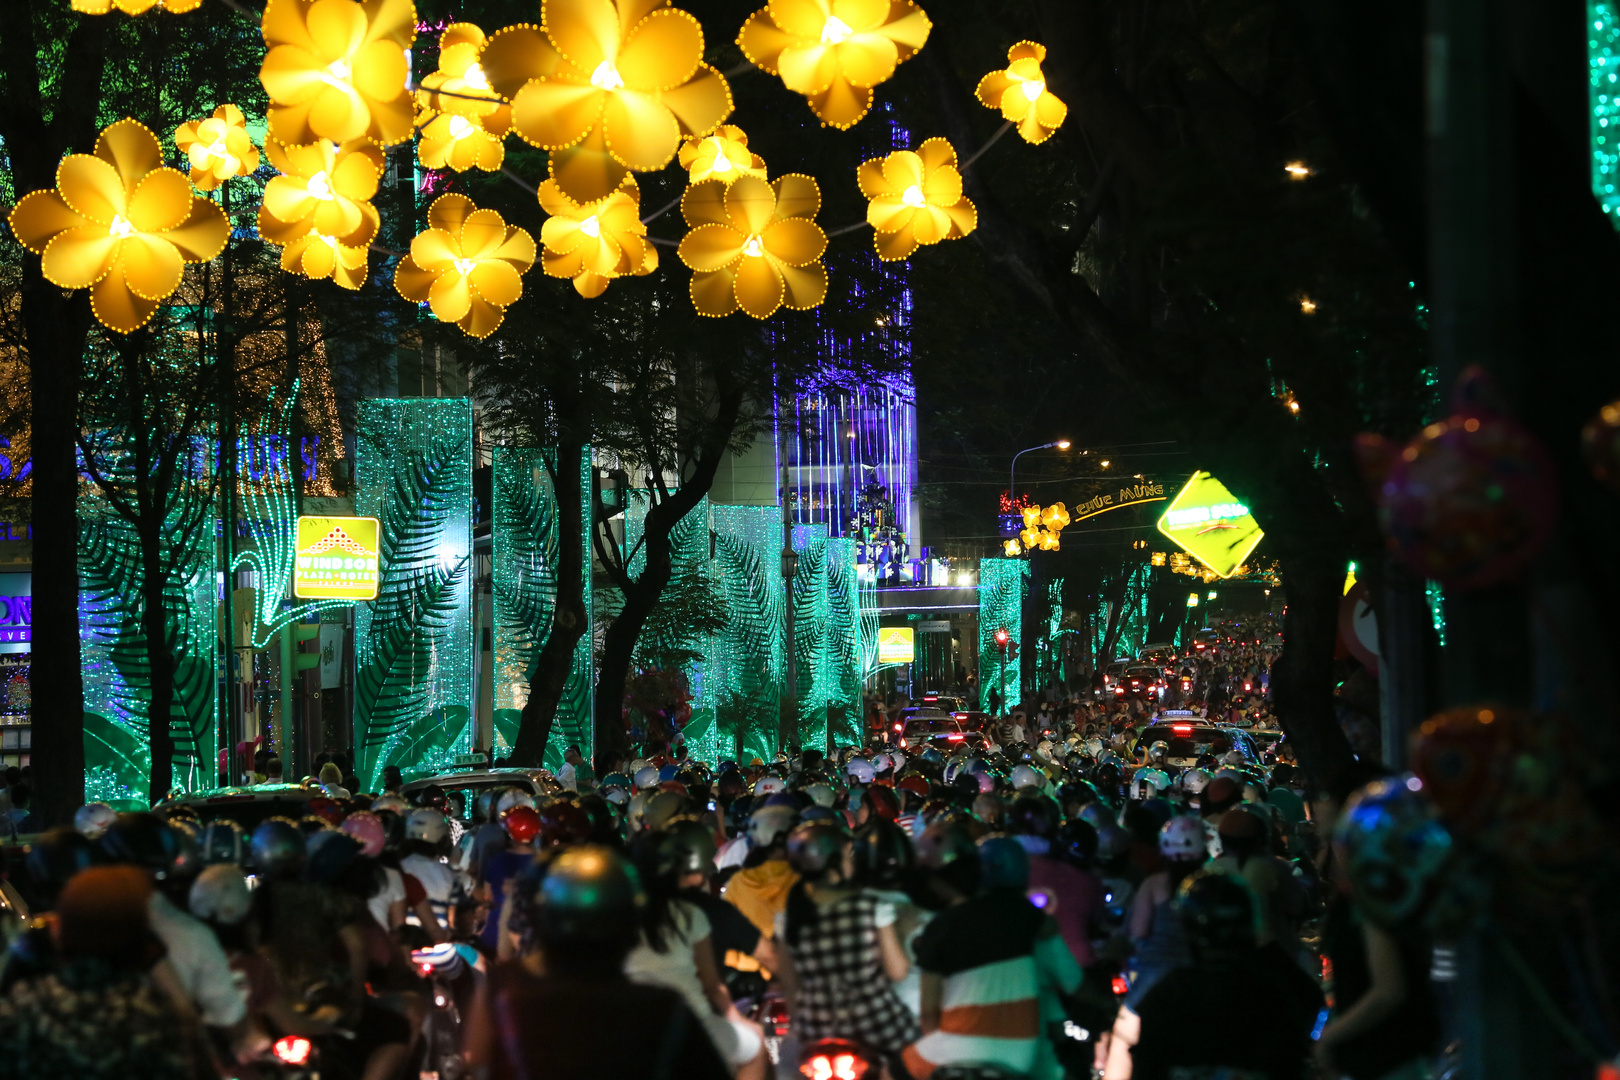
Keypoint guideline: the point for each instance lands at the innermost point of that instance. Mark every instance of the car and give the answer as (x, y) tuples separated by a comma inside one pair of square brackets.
[(1205, 639), (474, 782), (949, 703), (944, 733), (1161, 654), (248, 806), (1191, 737), (1140, 681), (973, 719)]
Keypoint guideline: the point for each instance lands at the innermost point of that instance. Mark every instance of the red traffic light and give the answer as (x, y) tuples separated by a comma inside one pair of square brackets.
[(1001, 637)]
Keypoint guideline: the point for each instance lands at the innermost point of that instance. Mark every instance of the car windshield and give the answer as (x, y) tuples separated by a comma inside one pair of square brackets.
[(926, 725), (1192, 740)]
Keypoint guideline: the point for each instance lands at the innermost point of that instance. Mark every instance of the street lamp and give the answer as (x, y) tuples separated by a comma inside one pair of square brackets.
[(1058, 444)]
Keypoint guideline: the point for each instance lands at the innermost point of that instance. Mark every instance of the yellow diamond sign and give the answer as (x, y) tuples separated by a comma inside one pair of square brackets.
[(1208, 523), (336, 559)]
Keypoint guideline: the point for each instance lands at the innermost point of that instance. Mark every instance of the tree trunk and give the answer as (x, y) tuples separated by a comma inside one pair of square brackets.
[(1115, 610), (154, 624), (1302, 677), (555, 662)]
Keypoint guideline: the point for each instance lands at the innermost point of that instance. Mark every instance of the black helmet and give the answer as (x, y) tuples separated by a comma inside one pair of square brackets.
[(882, 853), (697, 838), (393, 824), (278, 849), (1218, 911), (330, 853), (1003, 864), (814, 847), (56, 857), (590, 895), (1034, 815), (224, 841), (947, 851), (144, 840), (604, 826), (1077, 840)]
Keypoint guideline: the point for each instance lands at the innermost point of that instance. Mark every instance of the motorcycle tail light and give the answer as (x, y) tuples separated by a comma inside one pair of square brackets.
[(292, 1049), (834, 1067), (1121, 986)]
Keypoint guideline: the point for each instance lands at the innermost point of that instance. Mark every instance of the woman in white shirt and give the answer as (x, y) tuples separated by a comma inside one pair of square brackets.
[(674, 952)]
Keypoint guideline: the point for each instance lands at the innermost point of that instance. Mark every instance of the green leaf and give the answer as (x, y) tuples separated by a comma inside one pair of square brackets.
[(112, 746)]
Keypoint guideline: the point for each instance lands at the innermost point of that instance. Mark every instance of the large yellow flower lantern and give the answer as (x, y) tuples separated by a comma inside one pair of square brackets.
[(916, 198), (463, 122), (121, 225), (628, 84), (467, 266), (336, 69), (218, 147), (1020, 92), (135, 7), (592, 243), (320, 209), (754, 245), (723, 156), (834, 51)]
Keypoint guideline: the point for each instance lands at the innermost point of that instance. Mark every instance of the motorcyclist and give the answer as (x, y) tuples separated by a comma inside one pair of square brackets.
[(1071, 896), (565, 1010), (760, 889)]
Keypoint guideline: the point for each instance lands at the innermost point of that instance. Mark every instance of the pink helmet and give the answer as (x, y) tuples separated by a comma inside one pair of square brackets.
[(367, 828)]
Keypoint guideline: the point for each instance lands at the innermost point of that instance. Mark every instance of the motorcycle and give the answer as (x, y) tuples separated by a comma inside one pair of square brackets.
[(449, 968), (837, 1059)]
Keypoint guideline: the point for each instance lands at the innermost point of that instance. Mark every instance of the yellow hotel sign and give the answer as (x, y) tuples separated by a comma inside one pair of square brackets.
[(336, 558), (896, 645), (1207, 522)]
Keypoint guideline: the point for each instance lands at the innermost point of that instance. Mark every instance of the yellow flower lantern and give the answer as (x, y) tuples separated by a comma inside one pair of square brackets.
[(754, 245), (595, 242), (121, 225), (135, 7), (462, 120), (1032, 517), (1012, 547), (320, 257), (467, 266), (1020, 92), (336, 69), (915, 198), (1049, 541), (218, 147), (1031, 537), (723, 156), (1055, 517), (324, 189), (834, 51), (628, 83)]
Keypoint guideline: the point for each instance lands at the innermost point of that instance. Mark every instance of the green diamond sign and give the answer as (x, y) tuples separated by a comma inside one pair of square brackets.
[(1208, 523)]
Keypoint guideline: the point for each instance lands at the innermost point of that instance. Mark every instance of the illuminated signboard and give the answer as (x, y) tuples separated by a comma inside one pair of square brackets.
[(16, 613), (896, 645), (1207, 522), (336, 559)]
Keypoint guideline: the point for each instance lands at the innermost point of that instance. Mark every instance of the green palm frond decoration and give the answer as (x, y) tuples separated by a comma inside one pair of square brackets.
[(751, 670), (413, 642), (525, 534)]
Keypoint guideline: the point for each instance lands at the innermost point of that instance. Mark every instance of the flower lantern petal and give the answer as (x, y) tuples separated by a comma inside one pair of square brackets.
[(119, 309), (151, 266), (587, 171), (450, 297), (413, 282), (804, 287), (41, 215), (79, 257), (704, 203), (701, 103), (641, 132), (711, 247), (131, 148), (514, 55), (586, 32), (794, 241), (482, 319), (161, 201), (497, 281), (662, 51), (713, 294), (92, 187), (759, 286), (797, 195), (750, 202)]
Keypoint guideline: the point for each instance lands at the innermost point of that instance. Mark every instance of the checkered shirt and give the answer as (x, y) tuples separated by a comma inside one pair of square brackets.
[(843, 990)]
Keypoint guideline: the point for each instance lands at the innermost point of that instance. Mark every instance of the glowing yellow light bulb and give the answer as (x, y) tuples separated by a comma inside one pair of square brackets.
[(320, 186), (606, 77), (721, 162), (463, 266), (753, 248), (475, 78), (336, 74), (913, 196), (1033, 89), (120, 228), (835, 32), (460, 128), (591, 226), (329, 241)]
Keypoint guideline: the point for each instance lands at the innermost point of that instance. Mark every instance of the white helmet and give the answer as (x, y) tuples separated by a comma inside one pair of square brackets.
[(646, 777), (616, 795), (953, 768), (1235, 759), (1182, 838), (513, 797), (396, 803), (92, 819), (896, 759), (769, 785), (821, 794), (768, 823), (1158, 752), (637, 765), (1194, 781), (429, 825), (638, 808), (1094, 746), (860, 770), (220, 894), (1025, 776), (1143, 785), (882, 762)]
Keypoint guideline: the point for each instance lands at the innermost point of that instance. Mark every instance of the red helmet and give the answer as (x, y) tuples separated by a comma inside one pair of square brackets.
[(673, 785), (325, 809), (563, 823), (658, 761), (522, 824)]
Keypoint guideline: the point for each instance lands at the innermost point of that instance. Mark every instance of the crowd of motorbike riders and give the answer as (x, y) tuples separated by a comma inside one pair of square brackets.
[(1059, 908)]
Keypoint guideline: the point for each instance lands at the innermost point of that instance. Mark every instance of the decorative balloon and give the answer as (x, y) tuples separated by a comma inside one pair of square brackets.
[(1394, 849), (1470, 499)]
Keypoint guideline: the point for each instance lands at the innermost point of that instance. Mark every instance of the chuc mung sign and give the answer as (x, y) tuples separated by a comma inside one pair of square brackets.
[(336, 558)]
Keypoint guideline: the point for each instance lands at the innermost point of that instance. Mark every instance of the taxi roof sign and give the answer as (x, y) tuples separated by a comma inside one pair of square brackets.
[(1207, 522)]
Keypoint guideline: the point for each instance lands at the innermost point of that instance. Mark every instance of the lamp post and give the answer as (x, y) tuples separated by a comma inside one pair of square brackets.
[(1056, 444)]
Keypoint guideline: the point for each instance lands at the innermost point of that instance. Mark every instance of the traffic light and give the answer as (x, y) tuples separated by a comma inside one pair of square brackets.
[(302, 632), (1002, 638)]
